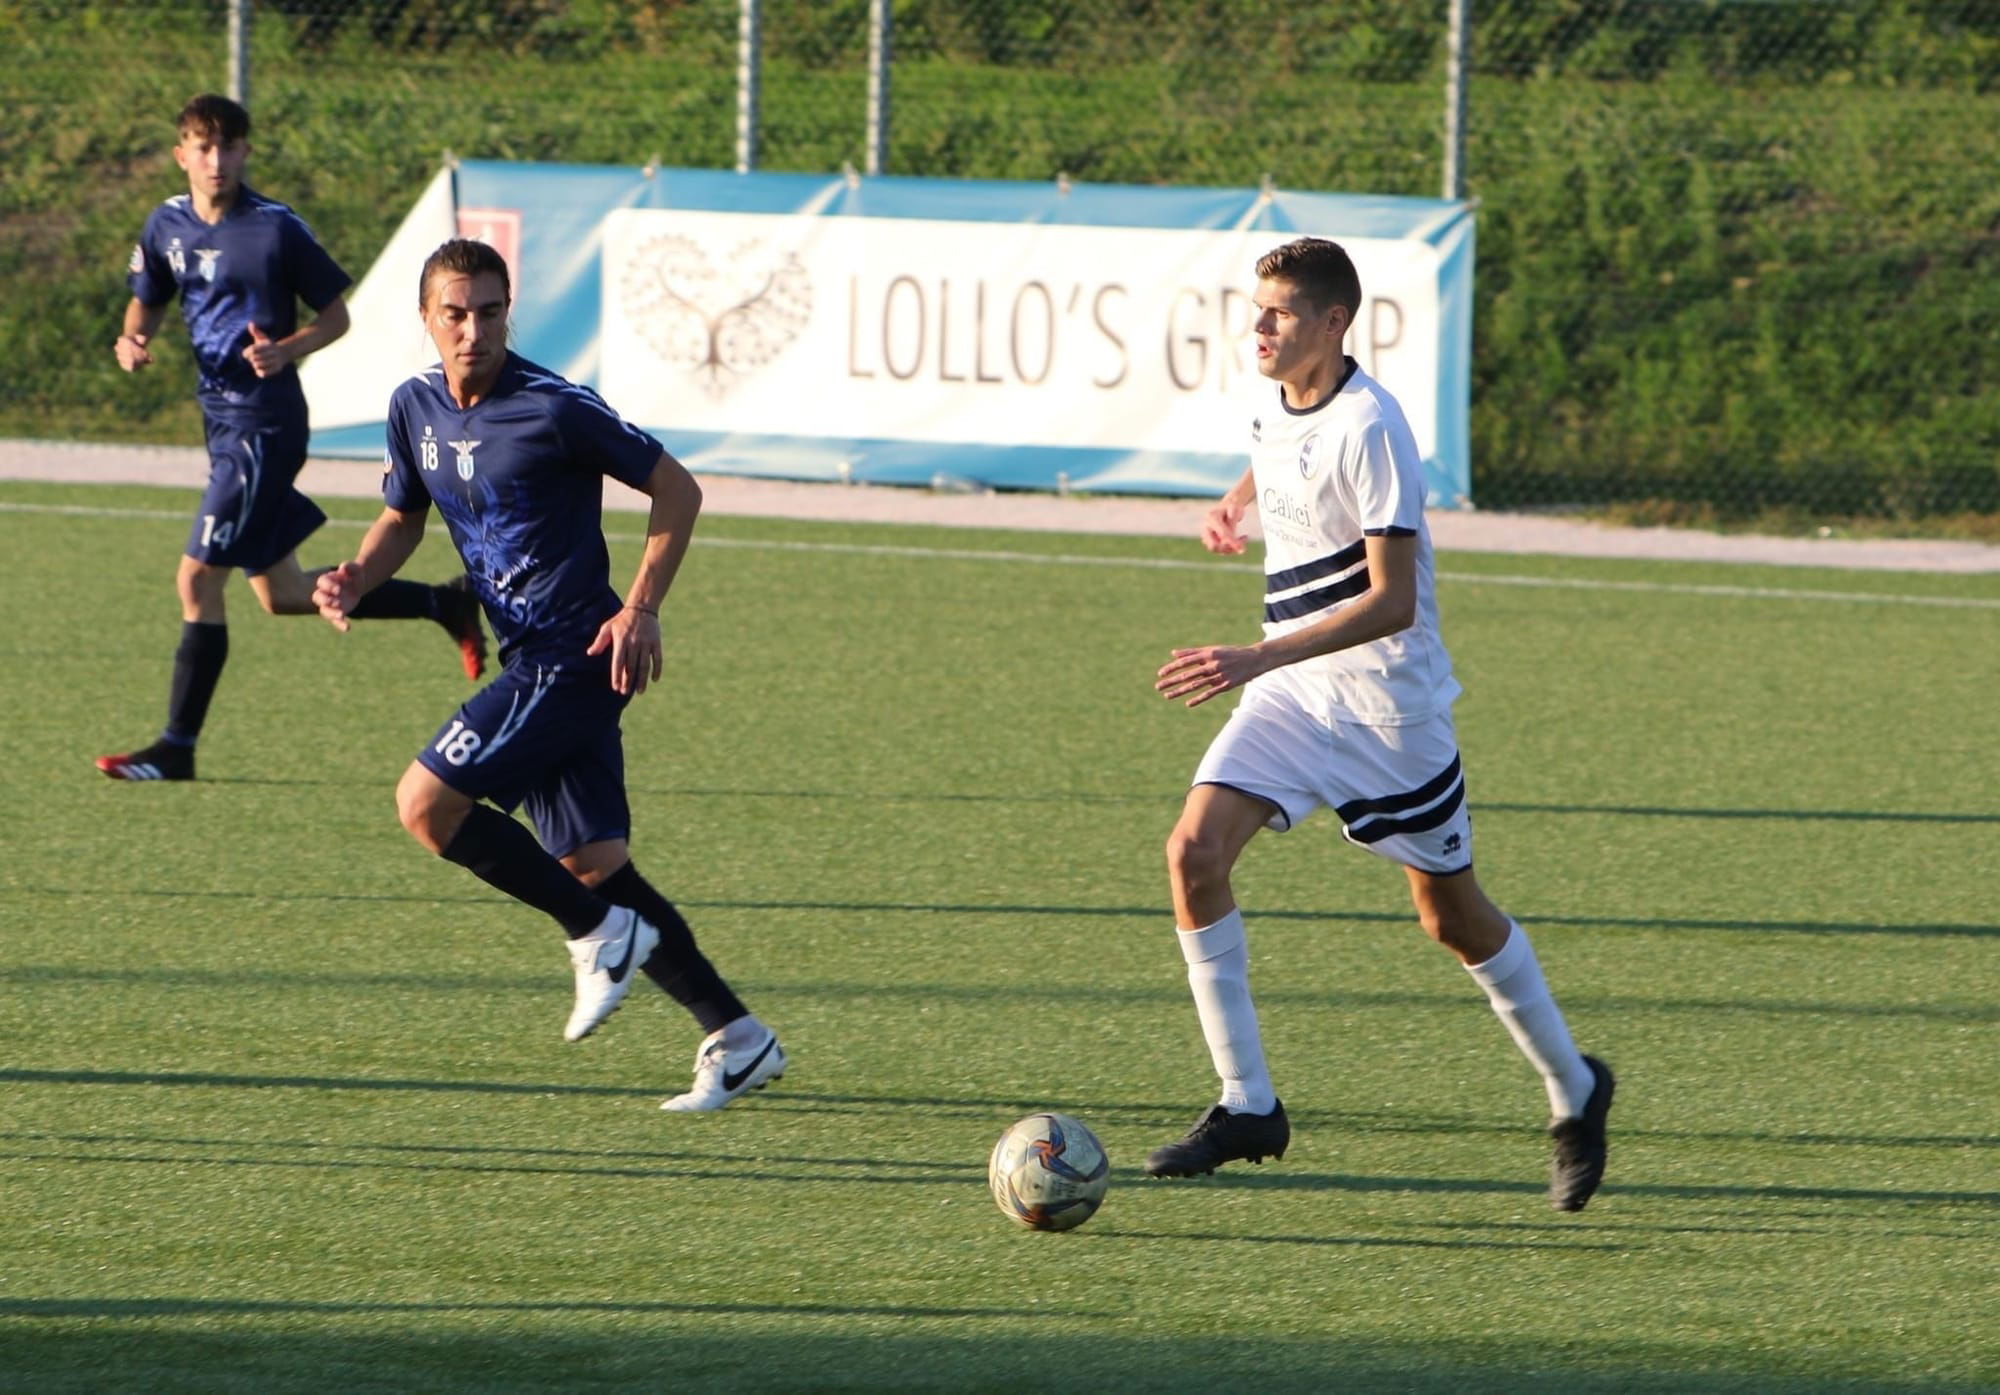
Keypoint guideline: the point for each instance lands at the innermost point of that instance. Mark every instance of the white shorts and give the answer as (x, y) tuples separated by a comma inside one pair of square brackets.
[(1398, 791)]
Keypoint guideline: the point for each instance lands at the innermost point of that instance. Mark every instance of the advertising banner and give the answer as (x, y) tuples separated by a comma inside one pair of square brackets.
[(922, 331)]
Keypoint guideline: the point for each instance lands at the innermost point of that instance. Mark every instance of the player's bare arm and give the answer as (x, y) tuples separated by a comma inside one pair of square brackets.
[(633, 634), (269, 357), (390, 541), (142, 322), (1390, 606), (1222, 525)]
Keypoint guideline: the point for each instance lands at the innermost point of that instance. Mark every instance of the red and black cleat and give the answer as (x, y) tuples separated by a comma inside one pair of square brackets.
[(160, 761)]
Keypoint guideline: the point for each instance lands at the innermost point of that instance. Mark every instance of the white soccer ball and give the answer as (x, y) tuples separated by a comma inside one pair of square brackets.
[(1048, 1172)]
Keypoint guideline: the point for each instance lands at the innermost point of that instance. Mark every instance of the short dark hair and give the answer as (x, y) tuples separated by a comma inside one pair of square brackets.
[(1322, 271), (214, 116), (463, 256)]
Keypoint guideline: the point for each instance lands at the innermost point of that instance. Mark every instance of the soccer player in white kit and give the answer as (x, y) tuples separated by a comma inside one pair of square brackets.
[(1346, 704)]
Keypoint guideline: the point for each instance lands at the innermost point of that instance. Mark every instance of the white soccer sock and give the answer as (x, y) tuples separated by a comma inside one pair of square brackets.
[(1520, 996), (1218, 960)]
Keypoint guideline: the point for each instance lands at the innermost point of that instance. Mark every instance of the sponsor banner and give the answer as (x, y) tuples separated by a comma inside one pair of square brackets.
[(987, 334), (1021, 336)]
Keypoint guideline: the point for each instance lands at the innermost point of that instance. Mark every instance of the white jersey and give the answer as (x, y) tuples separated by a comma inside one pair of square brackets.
[(1326, 479)]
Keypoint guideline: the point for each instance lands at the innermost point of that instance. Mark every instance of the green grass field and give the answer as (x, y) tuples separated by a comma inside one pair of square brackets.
[(287, 1108)]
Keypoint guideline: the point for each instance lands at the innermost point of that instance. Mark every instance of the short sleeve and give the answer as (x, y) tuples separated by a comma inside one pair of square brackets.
[(316, 277), (598, 438), (148, 274), (402, 483), (1387, 480)]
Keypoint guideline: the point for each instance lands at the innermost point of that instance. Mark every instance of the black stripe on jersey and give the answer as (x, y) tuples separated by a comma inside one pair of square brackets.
[(1390, 532), (1312, 571), (1306, 602), (1423, 794), (1374, 830)]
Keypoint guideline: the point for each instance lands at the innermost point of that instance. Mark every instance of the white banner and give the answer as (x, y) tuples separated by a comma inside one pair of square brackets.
[(982, 333)]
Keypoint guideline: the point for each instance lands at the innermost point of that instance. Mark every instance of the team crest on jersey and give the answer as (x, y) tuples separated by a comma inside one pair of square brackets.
[(208, 256), (176, 258), (1256, 428), (1309, 456), (464, 449)]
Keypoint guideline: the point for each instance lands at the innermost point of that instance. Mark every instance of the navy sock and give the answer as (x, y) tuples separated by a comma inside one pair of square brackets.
[(204, 648), (396, 599), (678, 965), (504, 855)]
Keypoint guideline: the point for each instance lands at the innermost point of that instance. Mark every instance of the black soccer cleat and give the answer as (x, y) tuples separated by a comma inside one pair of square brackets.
[(160, 761), (1220, 1136), (1580, 1145), (458, 612)]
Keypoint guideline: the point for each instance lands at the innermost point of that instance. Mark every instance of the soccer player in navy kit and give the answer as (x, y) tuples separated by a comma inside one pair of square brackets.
[(1346, 705), (513, 457), (240, 263)]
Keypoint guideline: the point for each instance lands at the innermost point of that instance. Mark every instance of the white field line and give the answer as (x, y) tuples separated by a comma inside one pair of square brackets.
[(1066, 559)]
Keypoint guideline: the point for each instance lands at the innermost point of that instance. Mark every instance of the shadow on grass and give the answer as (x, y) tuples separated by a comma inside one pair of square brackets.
[(694, 1165), (1170, 798), (1169, 997), (252, 1307), (1151, 915), (170, 1344)]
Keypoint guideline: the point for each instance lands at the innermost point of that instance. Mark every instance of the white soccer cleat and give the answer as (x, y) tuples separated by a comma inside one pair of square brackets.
[(605, 962), (721, 1075)]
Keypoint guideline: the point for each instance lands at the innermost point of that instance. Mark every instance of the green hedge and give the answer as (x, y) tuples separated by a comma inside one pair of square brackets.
[(1724, 264)]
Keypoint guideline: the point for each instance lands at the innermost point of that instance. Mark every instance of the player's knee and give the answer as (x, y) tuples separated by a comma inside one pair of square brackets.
[(422, 815), (1196, 859), (199, 585)]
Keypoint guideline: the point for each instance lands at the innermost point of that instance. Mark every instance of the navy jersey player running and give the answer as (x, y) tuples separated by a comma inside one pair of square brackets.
[(513, 457), (240, 264), (1347, 705)]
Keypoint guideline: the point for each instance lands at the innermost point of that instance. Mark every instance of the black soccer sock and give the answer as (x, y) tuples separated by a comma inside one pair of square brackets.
[(504, 855), (204, 648), (678, 965), (396, 599)]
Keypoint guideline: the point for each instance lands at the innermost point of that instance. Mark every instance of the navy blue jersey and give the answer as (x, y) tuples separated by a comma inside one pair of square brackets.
[(253, 267), (518, 478)]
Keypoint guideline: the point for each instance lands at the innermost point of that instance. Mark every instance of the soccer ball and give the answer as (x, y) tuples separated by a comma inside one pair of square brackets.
[(1048, 1172)]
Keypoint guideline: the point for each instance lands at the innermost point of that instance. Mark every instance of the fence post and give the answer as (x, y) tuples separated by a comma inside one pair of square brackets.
[(749, 78), (1457, 48), (239, 52), (878, 86)]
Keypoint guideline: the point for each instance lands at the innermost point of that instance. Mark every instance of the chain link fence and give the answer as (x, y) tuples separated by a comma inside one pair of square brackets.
[(1738, 259)]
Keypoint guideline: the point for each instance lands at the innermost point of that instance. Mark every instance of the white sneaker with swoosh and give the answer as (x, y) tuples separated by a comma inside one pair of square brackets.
[(720, 1075), (606, 961)]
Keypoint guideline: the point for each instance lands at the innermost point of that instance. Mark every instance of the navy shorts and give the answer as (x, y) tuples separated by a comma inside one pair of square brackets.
[(544, 737), (250, 515)]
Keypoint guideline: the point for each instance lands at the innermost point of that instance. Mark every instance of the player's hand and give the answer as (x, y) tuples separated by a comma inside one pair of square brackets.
[(336, 591), (1222, 528), (1200, 674), (131, 351), (265, 355), (633, 637)]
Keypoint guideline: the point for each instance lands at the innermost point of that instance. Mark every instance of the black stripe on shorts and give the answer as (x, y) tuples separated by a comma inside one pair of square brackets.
[(1374, 829), (1356, 809)]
